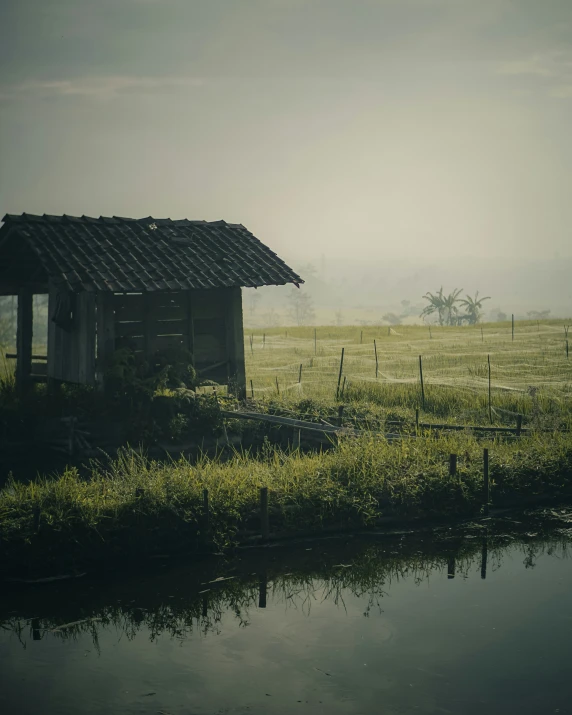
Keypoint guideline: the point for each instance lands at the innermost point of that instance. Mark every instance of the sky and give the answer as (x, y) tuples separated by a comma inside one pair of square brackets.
[(357, 129)]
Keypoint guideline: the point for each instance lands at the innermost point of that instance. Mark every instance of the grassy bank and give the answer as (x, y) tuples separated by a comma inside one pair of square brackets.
[(138, 508)]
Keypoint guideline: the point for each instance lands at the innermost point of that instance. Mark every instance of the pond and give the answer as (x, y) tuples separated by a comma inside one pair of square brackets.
[(465, 620)]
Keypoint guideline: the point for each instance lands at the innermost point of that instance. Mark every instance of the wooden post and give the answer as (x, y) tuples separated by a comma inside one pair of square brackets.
[(567, 358), (343, 387), (452, 464), (251, 390), (484, 554), (513, 326), (341, 416), (376, 362), (300, 374), (315, 341), (451, 567), (264, 522), (518, 425), (566, 331), (361, 337), (205, 515), (262, 589), (417, 418), (277, 385), (422, 386), (490, 403), (486, 490), (340, 373), (24, 339), (105, 319)]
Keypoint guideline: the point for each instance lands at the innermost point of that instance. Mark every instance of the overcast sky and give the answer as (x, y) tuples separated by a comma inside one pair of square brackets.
[(345, 127)]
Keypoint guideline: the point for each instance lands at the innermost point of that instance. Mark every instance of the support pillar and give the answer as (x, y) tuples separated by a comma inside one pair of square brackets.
[(24, 334)]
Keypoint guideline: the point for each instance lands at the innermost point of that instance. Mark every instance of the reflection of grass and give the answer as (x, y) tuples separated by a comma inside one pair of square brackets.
[(454, 365), (138, 507), (181, 603)]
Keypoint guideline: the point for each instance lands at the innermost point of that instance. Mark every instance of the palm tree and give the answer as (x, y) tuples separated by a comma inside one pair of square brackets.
[(473, 307), (443, 305), (436, 305), (451, 310)]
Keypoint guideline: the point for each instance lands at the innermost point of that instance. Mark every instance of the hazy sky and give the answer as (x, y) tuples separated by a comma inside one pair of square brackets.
[(370, 127)]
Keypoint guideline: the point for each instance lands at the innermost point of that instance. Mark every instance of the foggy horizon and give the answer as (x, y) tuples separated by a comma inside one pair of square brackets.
[(426, 129)]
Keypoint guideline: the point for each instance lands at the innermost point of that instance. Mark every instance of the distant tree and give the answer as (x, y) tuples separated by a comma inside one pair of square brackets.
[(392, 318), (444, 305), (538, 314), (473, 308), (300, 307)]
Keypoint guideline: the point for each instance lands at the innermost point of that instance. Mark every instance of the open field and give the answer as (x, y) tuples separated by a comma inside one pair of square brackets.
[(530, 375)]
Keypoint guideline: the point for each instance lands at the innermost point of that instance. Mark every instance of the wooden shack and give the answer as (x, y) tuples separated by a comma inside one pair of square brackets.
[(147, 284)]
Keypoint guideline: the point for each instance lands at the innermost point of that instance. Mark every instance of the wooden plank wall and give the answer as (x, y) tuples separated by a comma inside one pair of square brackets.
[(71, 354)]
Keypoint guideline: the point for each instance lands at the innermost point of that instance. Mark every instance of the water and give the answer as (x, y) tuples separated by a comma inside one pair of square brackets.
[(478, 621)]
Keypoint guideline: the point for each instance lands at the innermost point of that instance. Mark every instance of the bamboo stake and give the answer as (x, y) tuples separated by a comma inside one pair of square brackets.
[(421, 379), (340, 373), (486, 488), (490, 403), (264, 521)]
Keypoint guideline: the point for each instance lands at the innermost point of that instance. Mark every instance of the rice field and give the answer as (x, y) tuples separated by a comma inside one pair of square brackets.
[(530, 374)]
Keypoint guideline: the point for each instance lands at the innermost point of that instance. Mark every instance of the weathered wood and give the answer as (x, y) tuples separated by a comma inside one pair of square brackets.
[(86, 337), (236, 347), (24, 336), (340, 373), (421, 380), (105, 321), (264, 519), (486, 489)]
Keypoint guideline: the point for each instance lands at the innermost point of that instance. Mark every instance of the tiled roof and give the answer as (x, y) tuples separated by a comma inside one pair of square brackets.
[(148, 254)]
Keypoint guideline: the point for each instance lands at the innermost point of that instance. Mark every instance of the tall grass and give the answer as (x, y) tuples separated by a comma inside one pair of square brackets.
[(137, 506)]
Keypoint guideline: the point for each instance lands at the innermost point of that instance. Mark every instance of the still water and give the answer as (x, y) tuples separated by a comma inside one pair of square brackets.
[(470, 621)]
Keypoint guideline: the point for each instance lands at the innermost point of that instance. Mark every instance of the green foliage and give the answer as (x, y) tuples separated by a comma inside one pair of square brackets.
[(136, 506)]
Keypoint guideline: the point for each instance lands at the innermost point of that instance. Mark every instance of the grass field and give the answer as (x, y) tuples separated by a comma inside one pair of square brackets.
[(530, 375)]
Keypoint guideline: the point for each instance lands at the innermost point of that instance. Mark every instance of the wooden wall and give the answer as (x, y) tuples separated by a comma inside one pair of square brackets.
[(71, 353), (207, 323)]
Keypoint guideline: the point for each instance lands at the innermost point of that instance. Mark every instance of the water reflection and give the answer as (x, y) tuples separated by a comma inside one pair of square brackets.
[(192, 599)]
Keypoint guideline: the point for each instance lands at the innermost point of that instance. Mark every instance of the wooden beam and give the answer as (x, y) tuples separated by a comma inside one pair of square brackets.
[(24, 339), (235, 335), (105, 321)]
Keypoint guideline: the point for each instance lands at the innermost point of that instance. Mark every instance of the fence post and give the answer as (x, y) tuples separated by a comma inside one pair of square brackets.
[(452, 464), (205, 515), (375, 353), (341, 415), (486, 491), (263, 339), (277, 385), (361, 337), (252, 389), (417, 418), (340, 373), (421, 378), (490, 404), (264, 522), (513, 326), (300, 374), (567, 350), (296, 439), (315, 341), (518, 425)]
